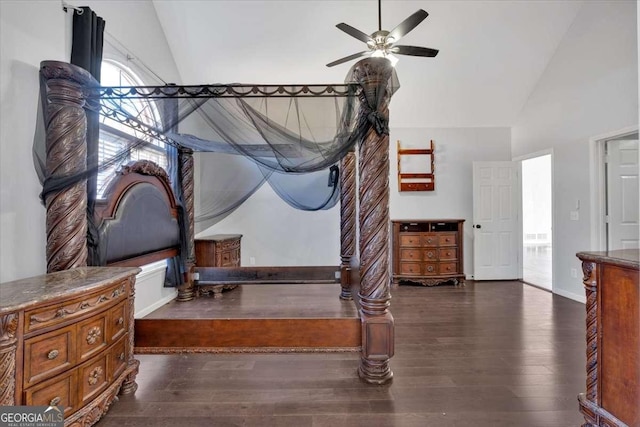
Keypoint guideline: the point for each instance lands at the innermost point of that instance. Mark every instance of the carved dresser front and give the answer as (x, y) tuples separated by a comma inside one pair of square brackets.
[(66, 339), (612, 286)]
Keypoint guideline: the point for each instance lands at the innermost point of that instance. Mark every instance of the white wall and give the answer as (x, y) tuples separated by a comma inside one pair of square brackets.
[(275, 234), (455, 151), (590, 87), (23, 44), (30, 32), (278, 235)]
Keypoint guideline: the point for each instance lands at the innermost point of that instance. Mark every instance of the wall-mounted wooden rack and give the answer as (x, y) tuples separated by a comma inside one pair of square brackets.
[(422, 180)]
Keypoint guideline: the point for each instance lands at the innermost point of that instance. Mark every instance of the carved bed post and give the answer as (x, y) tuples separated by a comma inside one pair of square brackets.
[(66, 128), (185, 161), (373, 74), (347, 221)]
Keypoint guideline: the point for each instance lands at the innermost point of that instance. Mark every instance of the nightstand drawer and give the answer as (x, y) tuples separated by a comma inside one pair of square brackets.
[(48, 354)]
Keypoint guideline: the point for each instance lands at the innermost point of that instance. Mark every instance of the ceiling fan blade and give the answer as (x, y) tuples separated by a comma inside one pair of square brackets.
[(414, 51), (353, 32), (348, 58), (407, 25)]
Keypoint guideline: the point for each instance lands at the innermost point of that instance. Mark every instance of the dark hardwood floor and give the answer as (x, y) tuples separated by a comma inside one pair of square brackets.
[(485, 354)]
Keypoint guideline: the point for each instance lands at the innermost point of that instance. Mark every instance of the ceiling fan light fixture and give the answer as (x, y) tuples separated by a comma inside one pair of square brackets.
[(379, 53), (381, 43)]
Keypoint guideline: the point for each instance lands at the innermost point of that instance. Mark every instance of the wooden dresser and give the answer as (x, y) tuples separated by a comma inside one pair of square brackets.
[(427, 251), (612, 286), (66, 339), (218, 250)]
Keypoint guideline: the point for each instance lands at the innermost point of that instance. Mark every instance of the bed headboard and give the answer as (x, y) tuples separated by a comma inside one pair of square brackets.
[(138, 219)]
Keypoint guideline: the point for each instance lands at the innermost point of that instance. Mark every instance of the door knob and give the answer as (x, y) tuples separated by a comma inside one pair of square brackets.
[(478, 226)]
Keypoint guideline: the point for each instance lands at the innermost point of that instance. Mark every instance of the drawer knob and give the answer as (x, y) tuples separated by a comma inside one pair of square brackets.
[(55, 401), (52, 355), (120, 321), (121, 357), (430, 268), (93, 335), (430, 254), (95, 375), (448, 268)]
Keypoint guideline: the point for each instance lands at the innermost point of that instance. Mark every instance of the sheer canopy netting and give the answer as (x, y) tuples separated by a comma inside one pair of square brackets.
[(243, 136)]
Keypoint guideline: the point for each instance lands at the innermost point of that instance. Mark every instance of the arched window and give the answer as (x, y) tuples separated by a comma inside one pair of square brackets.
[(116, 137)]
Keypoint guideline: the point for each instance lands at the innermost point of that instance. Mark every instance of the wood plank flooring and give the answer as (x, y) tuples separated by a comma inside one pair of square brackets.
[(485, 354)]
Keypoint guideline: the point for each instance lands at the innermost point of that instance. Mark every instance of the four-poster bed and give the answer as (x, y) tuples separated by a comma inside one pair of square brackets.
[(70, 90)]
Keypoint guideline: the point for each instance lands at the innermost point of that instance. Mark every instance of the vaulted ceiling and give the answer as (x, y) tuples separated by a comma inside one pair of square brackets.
[(492, 53)]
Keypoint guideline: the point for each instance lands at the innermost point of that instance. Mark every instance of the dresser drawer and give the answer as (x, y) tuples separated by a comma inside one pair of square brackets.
[(430, 268), (48, 354), (118, 358), (118, 321), (430, 254), (409, 240), (447, 239), (76, 308), (92, 378), (429, 239), (410, 268), (410, 254), (445, 254), (448, 268), (59, 391), (92, 336)]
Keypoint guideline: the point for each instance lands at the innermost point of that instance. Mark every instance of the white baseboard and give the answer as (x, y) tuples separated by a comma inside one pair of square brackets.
[(576, 297), (156, 305)]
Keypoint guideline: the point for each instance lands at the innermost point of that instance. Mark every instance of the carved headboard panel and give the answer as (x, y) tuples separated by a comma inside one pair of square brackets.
[(138, 219)]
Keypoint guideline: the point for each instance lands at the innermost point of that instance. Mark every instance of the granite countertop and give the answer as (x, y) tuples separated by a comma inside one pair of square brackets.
[(19, 294), (622, 257)]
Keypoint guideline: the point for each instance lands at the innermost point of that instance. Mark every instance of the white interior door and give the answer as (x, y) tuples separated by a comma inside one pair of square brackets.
[(495, 220), (622, 194)]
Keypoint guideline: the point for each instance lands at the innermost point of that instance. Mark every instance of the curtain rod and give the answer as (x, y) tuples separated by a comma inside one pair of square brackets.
[(66, 6)]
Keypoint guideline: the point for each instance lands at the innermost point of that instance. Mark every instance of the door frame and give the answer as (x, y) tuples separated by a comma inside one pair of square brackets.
[(597, 184), (519, 159)]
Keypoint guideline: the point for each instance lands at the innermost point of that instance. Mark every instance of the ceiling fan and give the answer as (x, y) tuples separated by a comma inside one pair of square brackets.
[(382, 43)]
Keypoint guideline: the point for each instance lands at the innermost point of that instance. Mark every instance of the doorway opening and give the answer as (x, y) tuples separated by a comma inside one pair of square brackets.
[(537, 260)]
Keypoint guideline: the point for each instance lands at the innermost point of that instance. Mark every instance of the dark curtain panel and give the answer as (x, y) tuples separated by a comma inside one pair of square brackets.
[(175, 266), (86, 52)]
